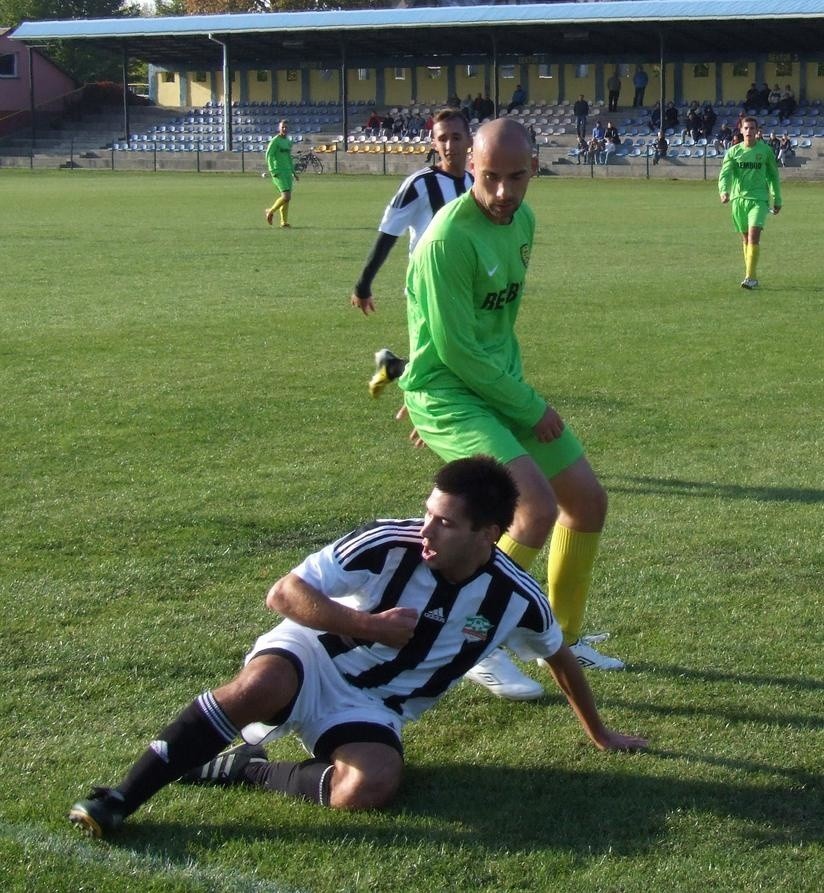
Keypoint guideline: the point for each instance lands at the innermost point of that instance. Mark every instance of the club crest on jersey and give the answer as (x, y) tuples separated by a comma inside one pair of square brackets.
[(525, 254), (476, 629)]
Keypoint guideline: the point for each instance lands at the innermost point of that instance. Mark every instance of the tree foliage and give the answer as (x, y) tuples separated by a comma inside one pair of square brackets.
[(81, 62)]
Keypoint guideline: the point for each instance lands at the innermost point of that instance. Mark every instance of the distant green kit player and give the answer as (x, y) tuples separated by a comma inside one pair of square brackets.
[(282, 170), (749, 178)]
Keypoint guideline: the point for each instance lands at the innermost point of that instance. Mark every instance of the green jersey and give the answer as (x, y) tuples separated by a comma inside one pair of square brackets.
[(750, 173), (465, 284), (279, 155)]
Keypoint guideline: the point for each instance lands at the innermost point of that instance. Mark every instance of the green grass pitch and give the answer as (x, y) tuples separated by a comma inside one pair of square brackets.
[(185, 416)]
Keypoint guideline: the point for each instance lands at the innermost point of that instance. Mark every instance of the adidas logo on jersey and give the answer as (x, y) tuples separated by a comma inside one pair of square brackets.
[(437, 615)]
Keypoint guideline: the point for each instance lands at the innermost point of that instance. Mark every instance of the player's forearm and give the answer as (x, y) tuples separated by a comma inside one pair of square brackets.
[(295, 599), (376, 259), (569, 677)]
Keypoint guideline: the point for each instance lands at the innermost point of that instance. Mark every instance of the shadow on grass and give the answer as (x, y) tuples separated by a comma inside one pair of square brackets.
[(504, 810), (708, 490)]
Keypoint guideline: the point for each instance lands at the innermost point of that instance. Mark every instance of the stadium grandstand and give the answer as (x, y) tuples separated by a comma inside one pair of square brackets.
[(218, 84)]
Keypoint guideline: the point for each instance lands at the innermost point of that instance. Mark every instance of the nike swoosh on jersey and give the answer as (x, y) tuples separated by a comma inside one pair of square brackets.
[(493, 270)]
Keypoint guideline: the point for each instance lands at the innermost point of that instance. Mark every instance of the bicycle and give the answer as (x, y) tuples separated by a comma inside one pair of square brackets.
[(306, 160)]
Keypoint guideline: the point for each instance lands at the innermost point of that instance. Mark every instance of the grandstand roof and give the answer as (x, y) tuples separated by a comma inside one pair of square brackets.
[(721, 28)]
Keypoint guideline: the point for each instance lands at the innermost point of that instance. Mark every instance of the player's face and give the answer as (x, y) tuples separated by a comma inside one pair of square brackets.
[(502, 173), (749, 131), (451, 141), (450, 545), (283, 128)]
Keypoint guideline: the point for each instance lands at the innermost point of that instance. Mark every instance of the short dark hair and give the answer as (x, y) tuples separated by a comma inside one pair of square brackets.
[(750, 118), (449, 115), (486, 487)]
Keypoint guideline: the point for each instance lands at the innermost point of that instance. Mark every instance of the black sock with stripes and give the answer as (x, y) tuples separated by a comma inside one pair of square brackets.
[(309, 780), (198, 734)]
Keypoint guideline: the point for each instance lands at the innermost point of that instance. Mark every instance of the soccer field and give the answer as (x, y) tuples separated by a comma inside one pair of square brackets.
[(185, 417)]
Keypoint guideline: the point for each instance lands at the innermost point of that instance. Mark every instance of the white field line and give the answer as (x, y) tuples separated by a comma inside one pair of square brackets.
[(131, 863)]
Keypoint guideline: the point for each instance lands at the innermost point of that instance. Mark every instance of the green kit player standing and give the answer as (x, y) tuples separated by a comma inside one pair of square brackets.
[(282, 170), (748, 178), (464, 388)]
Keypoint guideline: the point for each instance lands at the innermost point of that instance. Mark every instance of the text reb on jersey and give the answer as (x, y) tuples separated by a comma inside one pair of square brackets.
[(496, 300)]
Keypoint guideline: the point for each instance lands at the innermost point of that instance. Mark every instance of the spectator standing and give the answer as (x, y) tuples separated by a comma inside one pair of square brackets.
[(787, 104), (613, 91), (581, 111), (639, 82)]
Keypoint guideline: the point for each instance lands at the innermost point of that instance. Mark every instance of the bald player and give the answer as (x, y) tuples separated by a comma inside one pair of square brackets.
[(464, 386)]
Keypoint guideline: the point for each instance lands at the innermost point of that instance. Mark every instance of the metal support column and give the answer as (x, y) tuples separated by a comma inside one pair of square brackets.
[(227, 95), (126, 124)]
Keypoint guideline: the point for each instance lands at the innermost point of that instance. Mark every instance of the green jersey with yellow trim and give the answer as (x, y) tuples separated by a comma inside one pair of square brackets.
[(750, 173), (279, 155), (465, 284)]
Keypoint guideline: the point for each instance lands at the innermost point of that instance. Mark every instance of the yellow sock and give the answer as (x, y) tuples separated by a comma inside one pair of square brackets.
[(569, 571), (752, 261), (746, 247), (284, 213), (276, 205), (524, 555)]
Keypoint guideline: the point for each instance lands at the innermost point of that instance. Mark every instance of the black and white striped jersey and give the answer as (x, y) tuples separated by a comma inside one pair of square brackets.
[(418, 199), (379, 567)]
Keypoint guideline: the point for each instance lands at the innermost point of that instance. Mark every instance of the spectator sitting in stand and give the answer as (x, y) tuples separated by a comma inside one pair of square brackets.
[(774, 143), (752, 98), (764, 96), (581, 150), (787, 104), (654, 122), (724, 139), (670, 116), (598, 130), (708, 119), (785, 150), (373, 124), (774, 100), (518, 99), (661, 147)]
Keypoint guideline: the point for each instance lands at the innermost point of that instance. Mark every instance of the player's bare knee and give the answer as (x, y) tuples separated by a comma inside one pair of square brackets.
[(354, 789)]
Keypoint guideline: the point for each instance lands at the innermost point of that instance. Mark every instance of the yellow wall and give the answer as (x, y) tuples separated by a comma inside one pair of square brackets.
[(574, 86), (397, 93), (465, 84), (321, 90), (793, 80), (198, 92), (167, 94), (735, 87), (360, 90), (815, 84), (432, 91), (701, 89), (542, 89), (259, 91), (288, 90)]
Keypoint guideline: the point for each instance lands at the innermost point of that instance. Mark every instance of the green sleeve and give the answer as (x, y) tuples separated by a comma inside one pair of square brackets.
[(445, 287), (773, 179), (726, 175)]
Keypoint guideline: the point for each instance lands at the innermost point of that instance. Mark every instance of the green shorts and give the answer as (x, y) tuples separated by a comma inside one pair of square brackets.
[(457, 426), (748, 212), (283, 182)]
